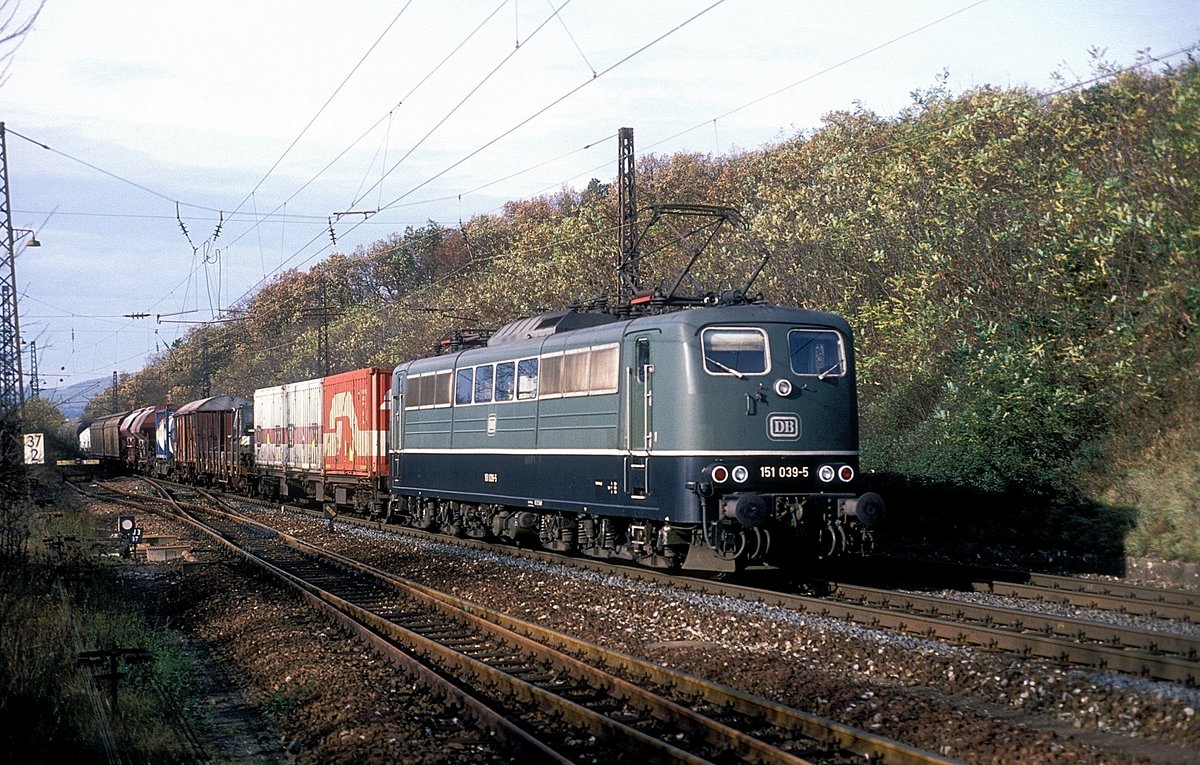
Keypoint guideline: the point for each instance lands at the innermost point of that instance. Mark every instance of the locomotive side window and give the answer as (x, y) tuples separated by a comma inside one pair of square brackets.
[(415, 395), (575, 372), (734, 351), (505, 379), (433, 389), (605, 370), (580, 372), (441, 389), (464, 386), (527, 379), (816, 352), (483, 384), (550, 375)]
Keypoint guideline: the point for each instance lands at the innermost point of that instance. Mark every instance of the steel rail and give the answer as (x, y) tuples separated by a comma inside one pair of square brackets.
[(600, 665), (1125, 597), (1150, 641), (342, 613), (1068, 651), (481, 674), (1144, 661)]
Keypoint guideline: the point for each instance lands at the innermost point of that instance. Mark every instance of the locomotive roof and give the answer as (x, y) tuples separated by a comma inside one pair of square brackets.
[(752, 313), (533, 329), (548, 324), (554, 322)]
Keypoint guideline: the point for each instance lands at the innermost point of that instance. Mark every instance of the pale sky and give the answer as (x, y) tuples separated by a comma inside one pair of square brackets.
[(273, 115)]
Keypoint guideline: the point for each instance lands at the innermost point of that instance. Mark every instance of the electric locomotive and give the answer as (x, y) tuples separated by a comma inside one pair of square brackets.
[(711, 438), (707, 432)]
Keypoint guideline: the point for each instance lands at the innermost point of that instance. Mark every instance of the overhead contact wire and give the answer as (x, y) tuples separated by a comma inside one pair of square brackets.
[(461, 102), (553, 103), (324, 106)]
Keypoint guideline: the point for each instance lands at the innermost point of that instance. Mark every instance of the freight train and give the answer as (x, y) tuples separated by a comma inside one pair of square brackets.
[(713, 438)]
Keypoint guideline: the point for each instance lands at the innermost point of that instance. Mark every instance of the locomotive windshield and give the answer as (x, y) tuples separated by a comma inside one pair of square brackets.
[(816, 352), (734, 351)]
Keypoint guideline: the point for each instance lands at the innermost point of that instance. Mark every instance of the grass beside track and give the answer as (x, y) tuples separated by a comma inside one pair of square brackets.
[(61, 598)]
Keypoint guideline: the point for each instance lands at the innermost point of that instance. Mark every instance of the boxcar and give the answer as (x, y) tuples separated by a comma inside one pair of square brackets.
[(104, 439), (212, 441)]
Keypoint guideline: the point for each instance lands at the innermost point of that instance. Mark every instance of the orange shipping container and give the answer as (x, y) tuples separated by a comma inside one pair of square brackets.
[(355, 422)]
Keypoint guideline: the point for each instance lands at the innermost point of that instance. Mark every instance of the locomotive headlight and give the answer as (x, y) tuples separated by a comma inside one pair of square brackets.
[(740, 474), (783, 387), (846, 473), (825, 473), (720, 474)]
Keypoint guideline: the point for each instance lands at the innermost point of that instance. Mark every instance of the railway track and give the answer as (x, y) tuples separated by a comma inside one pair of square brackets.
[(560, 698), (1102, 594), (1070, 641)]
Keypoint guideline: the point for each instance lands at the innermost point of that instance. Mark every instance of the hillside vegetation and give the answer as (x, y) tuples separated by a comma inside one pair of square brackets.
[(1021, 270)]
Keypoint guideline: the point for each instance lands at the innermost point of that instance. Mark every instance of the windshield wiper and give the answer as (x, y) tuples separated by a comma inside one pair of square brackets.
[(730, 370), (829, 371)]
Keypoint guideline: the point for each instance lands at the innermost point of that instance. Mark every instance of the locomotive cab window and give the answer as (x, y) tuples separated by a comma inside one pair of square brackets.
[(816, 352), (735, 351)]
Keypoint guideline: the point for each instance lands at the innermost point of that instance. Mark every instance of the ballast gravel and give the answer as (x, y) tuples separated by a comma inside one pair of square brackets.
[(971, 705)]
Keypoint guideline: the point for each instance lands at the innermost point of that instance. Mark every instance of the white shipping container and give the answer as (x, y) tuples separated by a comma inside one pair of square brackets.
[(287, 426), (304, 401), (270, 427)]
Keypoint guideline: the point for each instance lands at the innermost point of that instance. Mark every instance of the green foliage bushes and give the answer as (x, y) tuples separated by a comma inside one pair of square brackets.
[(56, 603), (1021, 269)]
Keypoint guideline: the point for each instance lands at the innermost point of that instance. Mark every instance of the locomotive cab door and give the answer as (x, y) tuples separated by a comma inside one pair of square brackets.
[(639, 432), (396, 436)]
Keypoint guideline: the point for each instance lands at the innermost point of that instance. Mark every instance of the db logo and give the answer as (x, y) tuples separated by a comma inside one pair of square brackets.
[(783, 427)]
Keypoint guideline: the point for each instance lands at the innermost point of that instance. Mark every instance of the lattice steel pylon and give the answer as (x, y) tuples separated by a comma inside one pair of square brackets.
[(35, 385), (12, 387), (628, 268)]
